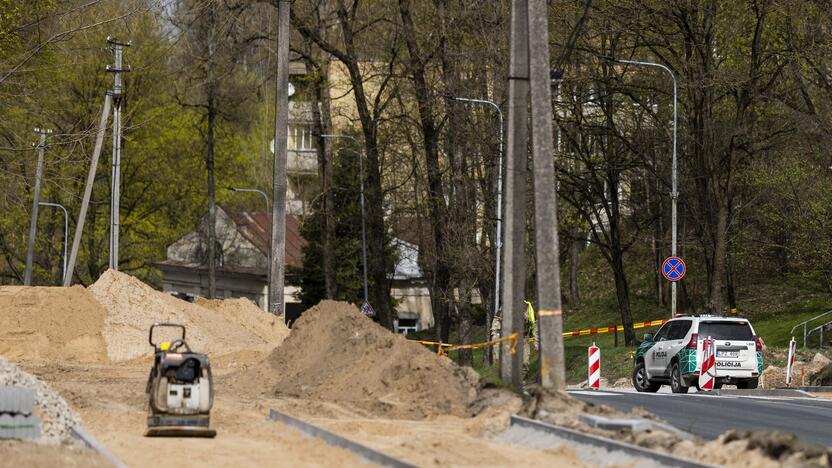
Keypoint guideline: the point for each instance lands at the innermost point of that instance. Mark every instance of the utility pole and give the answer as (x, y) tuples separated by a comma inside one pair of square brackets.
[(514, 276), (33, 223), (281, 124), (545, 202), (115, 195), (85, 202)]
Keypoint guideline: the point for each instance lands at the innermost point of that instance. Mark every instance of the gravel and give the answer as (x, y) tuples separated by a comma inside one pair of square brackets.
[(57, 417)]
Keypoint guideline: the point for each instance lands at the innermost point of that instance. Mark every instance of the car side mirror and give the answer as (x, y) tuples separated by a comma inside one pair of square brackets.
[(648, 337)]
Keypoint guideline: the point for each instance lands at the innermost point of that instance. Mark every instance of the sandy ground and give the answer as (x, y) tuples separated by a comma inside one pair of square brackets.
[(110, 399), (15, 453)]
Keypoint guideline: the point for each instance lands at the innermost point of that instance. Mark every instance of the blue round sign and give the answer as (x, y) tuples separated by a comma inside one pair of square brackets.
[(674, 268)]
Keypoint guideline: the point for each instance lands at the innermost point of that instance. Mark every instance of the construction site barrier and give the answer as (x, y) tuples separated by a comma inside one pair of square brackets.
[(595, 331), (443, 348)]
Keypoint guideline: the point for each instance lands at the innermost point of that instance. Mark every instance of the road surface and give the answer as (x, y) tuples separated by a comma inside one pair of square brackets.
[(708, 416)]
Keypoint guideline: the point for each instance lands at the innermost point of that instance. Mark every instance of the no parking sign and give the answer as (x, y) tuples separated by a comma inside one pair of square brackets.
[(674, 268)]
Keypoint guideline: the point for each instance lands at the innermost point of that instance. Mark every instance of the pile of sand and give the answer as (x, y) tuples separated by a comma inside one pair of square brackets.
[(242, 311), (132, 307), (337, 354), (63, 324)]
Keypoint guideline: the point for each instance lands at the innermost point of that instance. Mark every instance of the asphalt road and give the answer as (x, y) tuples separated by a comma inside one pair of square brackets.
[(708, 416)]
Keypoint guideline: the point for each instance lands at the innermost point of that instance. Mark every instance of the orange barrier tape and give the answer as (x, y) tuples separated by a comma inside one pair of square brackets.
[(443, 348), (595, 331)]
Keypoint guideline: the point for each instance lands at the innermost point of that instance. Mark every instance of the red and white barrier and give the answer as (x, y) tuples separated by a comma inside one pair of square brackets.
[(594, 379), (707, 372), (790, 361)]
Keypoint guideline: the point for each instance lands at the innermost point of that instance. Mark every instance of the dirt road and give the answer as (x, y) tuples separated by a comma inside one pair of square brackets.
[(110, 399)]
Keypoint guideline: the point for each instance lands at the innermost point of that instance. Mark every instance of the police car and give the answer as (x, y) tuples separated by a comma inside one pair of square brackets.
[(673, 356)]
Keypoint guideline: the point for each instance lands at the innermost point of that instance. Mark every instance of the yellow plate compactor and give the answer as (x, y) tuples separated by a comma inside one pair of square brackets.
[(180, 387)]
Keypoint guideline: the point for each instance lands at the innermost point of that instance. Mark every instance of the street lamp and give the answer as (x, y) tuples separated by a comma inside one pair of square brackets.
[(269, 254), (674, 193), (499, 210), (363, 217), (66, 231)]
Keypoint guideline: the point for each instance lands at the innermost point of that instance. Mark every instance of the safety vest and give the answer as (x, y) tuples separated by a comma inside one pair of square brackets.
[(530, 312)]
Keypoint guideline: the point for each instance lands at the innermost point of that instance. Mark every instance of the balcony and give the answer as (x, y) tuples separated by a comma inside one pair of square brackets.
[(302, 161)]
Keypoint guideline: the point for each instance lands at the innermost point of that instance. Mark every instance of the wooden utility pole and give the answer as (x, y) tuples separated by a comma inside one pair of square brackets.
[(545, 201), (33, 223), (85, 202), (514, 275), (281, 123)]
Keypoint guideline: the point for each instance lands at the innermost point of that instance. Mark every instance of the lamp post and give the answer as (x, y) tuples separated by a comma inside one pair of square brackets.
[(269, 255), (66, 231), (498, 244), (363, 216), (674, 193)]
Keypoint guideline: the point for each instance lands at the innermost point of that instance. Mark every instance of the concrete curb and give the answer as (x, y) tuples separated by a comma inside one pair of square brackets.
[(632, 424), (608, 444), (336, 440), (817, 389), (775, 392), (91, 442)]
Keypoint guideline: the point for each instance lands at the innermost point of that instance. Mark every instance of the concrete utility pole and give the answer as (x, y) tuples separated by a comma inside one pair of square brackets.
[(545, 202), (66, 232), (115, 193), (363, 216), (33, 223), (281, 124), (85, 202), (514, 276)]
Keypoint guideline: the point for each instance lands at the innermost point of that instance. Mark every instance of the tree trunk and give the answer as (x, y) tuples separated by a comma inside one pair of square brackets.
[(436, 197), (622, 294), (212, 206), (720, 247), (322, 123), (574, 254)]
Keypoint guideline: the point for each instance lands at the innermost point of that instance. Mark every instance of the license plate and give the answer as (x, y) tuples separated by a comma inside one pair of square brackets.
[(728, 354)]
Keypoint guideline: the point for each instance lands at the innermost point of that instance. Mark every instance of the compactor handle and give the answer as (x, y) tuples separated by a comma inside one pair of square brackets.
[(165, 325)]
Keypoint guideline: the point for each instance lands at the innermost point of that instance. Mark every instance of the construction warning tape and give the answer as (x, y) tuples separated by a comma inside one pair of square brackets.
[(443, 348), (596, 331), (546, 313)]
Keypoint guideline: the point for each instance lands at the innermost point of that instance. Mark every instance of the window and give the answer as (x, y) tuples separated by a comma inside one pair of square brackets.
[(739, 331), (300, 137), (661, 335), (678, 330)]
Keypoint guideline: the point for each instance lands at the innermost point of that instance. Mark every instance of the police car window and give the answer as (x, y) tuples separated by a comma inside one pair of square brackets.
[(739, 331), (662, 333), (678, 330)]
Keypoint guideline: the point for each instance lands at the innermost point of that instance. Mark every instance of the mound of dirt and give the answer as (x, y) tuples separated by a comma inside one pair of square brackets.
[(335, 353), (243, 312), (132, 307), (61, 324)]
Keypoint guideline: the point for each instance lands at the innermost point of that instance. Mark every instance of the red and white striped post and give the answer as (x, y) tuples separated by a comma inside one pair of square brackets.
[(707, 372), (790, 361), (594, 370)]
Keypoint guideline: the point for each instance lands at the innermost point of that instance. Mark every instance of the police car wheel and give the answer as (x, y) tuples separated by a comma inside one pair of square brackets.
[(640, 381), (677, 385)]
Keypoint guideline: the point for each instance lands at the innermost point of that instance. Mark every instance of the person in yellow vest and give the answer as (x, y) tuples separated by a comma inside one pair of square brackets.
[(531, 333)]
